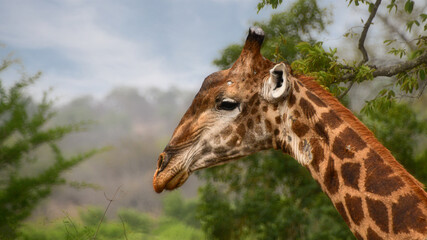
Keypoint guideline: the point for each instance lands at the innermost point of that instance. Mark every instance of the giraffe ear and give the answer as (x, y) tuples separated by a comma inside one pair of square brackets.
[(277, 86)]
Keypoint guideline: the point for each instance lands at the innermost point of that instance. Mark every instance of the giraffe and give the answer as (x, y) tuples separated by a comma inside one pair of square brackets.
[(257, 105)]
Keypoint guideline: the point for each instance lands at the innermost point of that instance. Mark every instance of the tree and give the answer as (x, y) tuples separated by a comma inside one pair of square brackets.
[(269, 195), (24, 130)]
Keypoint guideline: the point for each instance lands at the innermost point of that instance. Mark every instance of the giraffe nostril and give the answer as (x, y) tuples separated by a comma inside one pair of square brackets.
[(160, 161)]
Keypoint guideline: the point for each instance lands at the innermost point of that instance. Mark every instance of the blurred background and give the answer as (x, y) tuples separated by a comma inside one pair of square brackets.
[(120, 75)]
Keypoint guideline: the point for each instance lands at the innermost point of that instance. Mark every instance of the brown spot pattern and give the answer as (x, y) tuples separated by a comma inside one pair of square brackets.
[(350, 137), (319, 128), (226, 132), (316, 99), (254, 110), (232, 142), (331, 119), (264, 108), (296, 88), (299, 128), (346, 143), (220, 150), (350, 173), (358, 236), (307, 108), (372, 235), (354, 207), (250, 123), (206, 149), (378, 179), (253, 98), (331, 179), (241, 130), (278, 120), (340, 207), (292, 100), (378, 212), (268, 125), (318, 155), (296, 114), (407, 215), (339, 149)]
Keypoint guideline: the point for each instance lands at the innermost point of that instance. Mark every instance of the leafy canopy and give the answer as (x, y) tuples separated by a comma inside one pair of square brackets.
[(24, 130)]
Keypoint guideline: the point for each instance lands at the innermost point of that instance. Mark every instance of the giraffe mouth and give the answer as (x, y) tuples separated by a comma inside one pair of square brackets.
[(169, 182)]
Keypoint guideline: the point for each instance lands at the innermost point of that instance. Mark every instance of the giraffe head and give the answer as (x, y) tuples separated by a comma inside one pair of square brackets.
[(230, 117)]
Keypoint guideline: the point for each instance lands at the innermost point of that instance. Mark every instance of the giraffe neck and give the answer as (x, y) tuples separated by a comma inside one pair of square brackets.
[(374, 194)]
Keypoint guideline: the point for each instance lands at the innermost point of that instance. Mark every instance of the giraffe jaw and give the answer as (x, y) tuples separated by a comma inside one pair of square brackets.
[(169, 182)]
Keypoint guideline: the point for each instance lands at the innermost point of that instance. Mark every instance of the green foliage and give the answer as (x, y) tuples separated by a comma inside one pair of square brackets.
[(282, 33), (266, 196), (136, 220), (91, 216), (24, 129), (273, 3), (326, 68), (215, 213), (130, 225), (170, 228), (409, 6), (174, 206), (228, 56)]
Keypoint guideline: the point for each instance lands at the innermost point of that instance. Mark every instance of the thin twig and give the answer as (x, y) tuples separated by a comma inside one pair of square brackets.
[(346, 91), (106, 209), (361, 46), (422, 90), (365, 32), (393, 28), (124, 228), (72, 223)]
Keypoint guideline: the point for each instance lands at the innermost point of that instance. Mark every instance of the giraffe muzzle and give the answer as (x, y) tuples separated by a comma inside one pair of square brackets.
[(167, 179)]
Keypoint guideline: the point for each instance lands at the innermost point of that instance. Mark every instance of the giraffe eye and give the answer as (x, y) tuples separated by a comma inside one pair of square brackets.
[(227, 104)]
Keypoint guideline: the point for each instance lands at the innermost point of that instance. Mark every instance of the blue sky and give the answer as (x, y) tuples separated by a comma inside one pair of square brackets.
[(89, 47)]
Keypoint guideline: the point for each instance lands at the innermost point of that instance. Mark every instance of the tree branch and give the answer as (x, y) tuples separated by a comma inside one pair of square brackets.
[(365, 32), (361, 46), (389, 71), (400, 67), (346, 91)]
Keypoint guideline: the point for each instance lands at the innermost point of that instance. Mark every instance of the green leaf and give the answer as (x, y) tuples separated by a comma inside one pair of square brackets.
[(409, 6), (392, 5), (388, 42), (371, 7), (382, 92), (422, 74)]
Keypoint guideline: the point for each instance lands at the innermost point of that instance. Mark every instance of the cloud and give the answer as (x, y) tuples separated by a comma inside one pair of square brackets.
[(89, 47), (96, 56)]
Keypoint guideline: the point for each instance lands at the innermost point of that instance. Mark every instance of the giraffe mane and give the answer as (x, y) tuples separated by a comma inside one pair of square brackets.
[(346, 115)]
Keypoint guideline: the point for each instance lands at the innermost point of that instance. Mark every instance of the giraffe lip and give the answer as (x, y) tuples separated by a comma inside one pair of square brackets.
[(169, 182)]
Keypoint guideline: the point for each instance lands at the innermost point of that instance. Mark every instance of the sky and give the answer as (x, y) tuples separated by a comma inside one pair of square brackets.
[(90, 47)]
